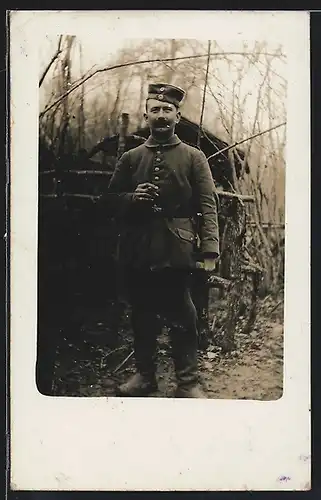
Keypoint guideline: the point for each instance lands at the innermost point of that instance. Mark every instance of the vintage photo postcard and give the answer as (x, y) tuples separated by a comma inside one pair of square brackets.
[(159, 250)]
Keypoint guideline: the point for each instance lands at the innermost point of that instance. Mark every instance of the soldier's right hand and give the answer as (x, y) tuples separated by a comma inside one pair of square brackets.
[(145, 192)]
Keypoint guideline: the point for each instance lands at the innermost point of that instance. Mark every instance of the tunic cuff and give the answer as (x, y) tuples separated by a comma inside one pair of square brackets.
[(210, 247)]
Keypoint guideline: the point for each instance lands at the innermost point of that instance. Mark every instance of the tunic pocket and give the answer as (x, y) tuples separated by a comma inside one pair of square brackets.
[(181, 242), (185, 234), (183, 228)]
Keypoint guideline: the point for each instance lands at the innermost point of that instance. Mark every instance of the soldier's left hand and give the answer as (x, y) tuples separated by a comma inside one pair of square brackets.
[(209, 264)]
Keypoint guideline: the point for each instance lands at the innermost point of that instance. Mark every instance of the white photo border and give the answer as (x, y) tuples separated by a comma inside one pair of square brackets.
[(67, 443)]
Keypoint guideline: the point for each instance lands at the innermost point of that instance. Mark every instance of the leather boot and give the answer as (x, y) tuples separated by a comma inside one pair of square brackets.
[(143, 383), (138, 385), (184, 352), (193, 391)]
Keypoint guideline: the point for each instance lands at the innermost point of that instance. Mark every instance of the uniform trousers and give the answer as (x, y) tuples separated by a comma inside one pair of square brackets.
[(161, 297)]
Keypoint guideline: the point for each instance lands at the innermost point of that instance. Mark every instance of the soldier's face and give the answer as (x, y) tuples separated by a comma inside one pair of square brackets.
[(160, 116)]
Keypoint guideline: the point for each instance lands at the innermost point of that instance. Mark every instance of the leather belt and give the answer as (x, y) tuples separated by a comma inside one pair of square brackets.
[(161, 213)]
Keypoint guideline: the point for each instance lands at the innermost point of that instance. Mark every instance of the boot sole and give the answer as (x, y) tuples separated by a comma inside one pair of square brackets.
[(138, 393), (186, 394)]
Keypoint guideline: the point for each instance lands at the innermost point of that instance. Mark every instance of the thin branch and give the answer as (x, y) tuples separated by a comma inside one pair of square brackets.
[(244, 140), (210, 140), (54, 57), (204, 94), (275, 307), (257, 110), (123, 362), (133, 63)]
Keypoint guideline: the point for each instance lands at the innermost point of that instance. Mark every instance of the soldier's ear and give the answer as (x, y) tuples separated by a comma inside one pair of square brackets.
[(146, 117), (178, 116)]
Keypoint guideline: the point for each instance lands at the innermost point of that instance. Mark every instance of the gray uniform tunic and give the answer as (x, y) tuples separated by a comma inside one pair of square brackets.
[(184, 219)]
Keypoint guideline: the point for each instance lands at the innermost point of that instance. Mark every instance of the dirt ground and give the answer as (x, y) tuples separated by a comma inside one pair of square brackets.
[(90, 366)]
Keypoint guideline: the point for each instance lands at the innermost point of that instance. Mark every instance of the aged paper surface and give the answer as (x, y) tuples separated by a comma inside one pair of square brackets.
[(100, 443)]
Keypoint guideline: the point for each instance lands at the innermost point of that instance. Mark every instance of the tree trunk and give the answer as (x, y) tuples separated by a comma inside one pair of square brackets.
[(66, 82)]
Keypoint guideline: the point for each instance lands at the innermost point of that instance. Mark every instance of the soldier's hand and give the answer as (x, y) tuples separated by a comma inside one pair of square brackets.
[(209, 264), (145, 192)]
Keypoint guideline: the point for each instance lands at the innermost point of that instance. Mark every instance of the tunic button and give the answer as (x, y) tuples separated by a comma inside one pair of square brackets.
[(158, 159), (156, 178), (156, 169)]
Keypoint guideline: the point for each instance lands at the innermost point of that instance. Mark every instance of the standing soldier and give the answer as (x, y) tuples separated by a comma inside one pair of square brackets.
[(162, 188)]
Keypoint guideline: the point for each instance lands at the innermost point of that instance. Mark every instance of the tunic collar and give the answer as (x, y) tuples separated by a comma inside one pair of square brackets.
[(152, 143)]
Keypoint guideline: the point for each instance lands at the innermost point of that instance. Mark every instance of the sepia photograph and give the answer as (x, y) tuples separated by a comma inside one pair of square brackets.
[(161, 218), (159, 327)]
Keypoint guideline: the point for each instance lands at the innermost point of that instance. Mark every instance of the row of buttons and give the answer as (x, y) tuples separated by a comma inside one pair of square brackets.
[(157, 157)]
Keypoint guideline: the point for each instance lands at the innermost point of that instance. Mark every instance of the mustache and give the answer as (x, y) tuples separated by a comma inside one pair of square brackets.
[(161, 123)]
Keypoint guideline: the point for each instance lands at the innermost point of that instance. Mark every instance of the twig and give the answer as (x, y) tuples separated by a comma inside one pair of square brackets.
[(123, 362), (245, 140), (213, 324), (204, 94), (210, 140), (49, 195), (46, 172), (265, 299), (276, 306), (54, 57), (265, 241), (114, 350), (110, 353), (247, 154)]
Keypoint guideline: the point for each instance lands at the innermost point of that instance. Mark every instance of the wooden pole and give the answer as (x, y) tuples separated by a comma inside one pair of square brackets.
[(228, 194), (122, 134)]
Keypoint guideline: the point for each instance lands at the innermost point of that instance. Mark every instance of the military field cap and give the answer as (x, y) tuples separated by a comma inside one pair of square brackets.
[(166, 93)]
